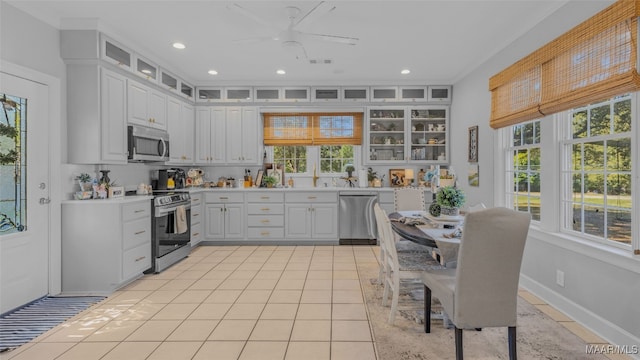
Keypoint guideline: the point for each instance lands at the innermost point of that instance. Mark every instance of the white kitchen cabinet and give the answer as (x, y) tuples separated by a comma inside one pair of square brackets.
[(105, 244), (114, 53), (407, 134), (326, 94), (355, 93), (296, 94), (242, 128), (146, 69), (210, 94), (210, 135), (439, 94), (181, 127), (238, 94), (267, 94), (97, 115), (197, 219), (384, 93), (265, 215), (311, 216), (413, 93), (224, 216), (146, 106)]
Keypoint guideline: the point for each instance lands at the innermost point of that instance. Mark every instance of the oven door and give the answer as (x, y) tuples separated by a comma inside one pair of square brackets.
[(167, 234)]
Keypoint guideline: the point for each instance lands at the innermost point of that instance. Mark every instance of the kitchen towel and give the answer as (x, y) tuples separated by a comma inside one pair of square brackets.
[(181, 220)]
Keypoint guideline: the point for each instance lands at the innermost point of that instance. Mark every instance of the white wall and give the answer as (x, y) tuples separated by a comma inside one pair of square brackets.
[(602, 288)]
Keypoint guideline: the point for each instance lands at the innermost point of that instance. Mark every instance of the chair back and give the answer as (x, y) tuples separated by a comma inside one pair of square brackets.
[(476, 207), (385, 234), (408, 198), (488, 268)]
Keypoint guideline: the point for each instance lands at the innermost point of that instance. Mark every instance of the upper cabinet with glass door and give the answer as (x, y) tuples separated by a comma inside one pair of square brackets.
[(115, 53), (146, 69), (386, 135), (428, 137), (400, 135)]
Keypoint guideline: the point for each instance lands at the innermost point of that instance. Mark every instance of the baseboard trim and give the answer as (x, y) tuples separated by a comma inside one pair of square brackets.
[(598, 325)]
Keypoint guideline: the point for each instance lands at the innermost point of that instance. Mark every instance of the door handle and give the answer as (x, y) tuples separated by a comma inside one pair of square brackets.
[(44, 201)]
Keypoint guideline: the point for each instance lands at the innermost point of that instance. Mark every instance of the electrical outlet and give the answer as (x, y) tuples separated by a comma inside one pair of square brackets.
[(560, 278)]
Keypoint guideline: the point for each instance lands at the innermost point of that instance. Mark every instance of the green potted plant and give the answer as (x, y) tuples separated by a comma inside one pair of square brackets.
[(85, 182), (270, 181), (450, 200), (349, 169), (372, 176)]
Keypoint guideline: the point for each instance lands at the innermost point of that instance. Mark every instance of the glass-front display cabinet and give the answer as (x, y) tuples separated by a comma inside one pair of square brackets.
[(401, 135)]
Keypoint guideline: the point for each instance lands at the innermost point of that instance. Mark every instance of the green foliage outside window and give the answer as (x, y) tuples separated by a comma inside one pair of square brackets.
[(334, 158)]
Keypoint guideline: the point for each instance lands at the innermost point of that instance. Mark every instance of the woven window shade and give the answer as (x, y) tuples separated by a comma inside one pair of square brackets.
[(591, 62), (313, 129)]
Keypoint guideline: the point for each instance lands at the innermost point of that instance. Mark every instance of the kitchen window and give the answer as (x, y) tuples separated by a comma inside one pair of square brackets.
[(299, 141)]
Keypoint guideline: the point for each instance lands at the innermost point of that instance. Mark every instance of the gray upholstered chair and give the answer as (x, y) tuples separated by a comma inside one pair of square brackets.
[(483, 290), (408, 198)]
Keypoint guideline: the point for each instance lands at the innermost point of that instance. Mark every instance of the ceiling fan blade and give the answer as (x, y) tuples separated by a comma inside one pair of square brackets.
[(251, 15), (331, 38), (321, 9)]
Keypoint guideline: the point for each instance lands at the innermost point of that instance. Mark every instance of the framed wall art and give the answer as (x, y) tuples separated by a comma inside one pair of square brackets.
[(473, 144), (396, 177)]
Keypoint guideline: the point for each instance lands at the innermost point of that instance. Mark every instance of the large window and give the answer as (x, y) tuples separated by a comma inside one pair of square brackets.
[(292, 158), (524, 172), (597, 171)]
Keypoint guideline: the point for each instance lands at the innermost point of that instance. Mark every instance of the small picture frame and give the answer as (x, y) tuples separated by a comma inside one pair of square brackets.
[(473, 144), (396, 177), (259, 176), (116, 192)]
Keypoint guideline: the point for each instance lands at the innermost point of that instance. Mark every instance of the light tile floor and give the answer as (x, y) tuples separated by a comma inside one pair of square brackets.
[(238, 303), (228, 302)]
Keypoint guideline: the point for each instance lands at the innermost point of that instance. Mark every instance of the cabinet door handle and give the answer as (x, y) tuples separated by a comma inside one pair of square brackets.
[(138, 211), (194, 215), (265, 209), (311, 197), (265, 197), (196, 234), (140, 258), (265, 221), (223, 198), (265, 233), (141, 232)]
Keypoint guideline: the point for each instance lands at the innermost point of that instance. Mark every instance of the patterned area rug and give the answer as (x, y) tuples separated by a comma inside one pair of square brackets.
[(26, 323)]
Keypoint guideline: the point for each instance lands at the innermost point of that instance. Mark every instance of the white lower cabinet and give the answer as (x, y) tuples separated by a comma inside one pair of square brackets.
[(224, 216), (311, 215), (265, 215), (96, 259), (197, 219)]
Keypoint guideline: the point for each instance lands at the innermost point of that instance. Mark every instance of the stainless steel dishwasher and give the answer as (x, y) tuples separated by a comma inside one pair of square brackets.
[(357, 219)]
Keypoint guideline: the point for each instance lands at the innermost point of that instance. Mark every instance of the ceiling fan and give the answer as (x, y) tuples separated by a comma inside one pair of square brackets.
[(290, 38)]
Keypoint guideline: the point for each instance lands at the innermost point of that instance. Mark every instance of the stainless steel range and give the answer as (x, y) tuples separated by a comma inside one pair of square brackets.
[(170, 229)]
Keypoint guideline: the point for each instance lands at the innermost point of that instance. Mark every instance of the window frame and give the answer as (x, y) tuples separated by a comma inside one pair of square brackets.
[(313, 157)]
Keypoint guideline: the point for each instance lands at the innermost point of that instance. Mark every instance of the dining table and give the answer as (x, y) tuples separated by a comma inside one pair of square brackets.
[(433, 232)]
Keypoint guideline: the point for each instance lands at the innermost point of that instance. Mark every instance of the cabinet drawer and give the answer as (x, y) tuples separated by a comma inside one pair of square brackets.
[(196, 201), (265, 220), (231, 197), (311, 197), (266, 233), (136, 232), (196, 214), (265, 197), (386, 196), (136, 211), (136, 260), (196, 231), (265, 209)]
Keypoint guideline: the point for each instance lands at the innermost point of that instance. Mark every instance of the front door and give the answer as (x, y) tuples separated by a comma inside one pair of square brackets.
[(24, 191)]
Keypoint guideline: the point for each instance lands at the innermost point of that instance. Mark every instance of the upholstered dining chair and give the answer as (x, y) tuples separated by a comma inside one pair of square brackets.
[(397, 266), (483, 290), (408, 198)]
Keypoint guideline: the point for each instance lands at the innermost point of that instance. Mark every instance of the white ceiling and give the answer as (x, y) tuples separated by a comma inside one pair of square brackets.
[(439, 41)]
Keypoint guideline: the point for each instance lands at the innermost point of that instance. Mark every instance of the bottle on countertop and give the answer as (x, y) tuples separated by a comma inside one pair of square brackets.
[(290, 182)]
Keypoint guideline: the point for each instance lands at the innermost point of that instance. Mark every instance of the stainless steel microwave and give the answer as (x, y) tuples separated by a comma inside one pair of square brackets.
[(146, 144)]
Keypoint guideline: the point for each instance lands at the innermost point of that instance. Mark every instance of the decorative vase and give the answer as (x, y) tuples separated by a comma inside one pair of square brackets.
[(449, 211), (105, 177)]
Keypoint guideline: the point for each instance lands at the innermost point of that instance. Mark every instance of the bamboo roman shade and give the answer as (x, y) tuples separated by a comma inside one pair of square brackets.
[(591, 62), (313, 128)]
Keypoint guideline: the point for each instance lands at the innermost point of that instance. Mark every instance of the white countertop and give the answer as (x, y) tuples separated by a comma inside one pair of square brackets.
[(294, 189), (121, 200)]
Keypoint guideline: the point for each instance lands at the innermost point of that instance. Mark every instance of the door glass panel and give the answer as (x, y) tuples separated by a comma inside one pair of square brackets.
[(170, 81), (239, 94), (295, 94), (13, 162), (210, 94), (146, 69), (267, 94), (413, 93), (439, 93), (384, 94), (355, 93), (330, 94), (186, 89)]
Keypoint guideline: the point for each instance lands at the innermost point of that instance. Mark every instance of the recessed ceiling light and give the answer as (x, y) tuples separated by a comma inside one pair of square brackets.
[(212, 72), (405, 71), (178, 45), (280, 72)]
